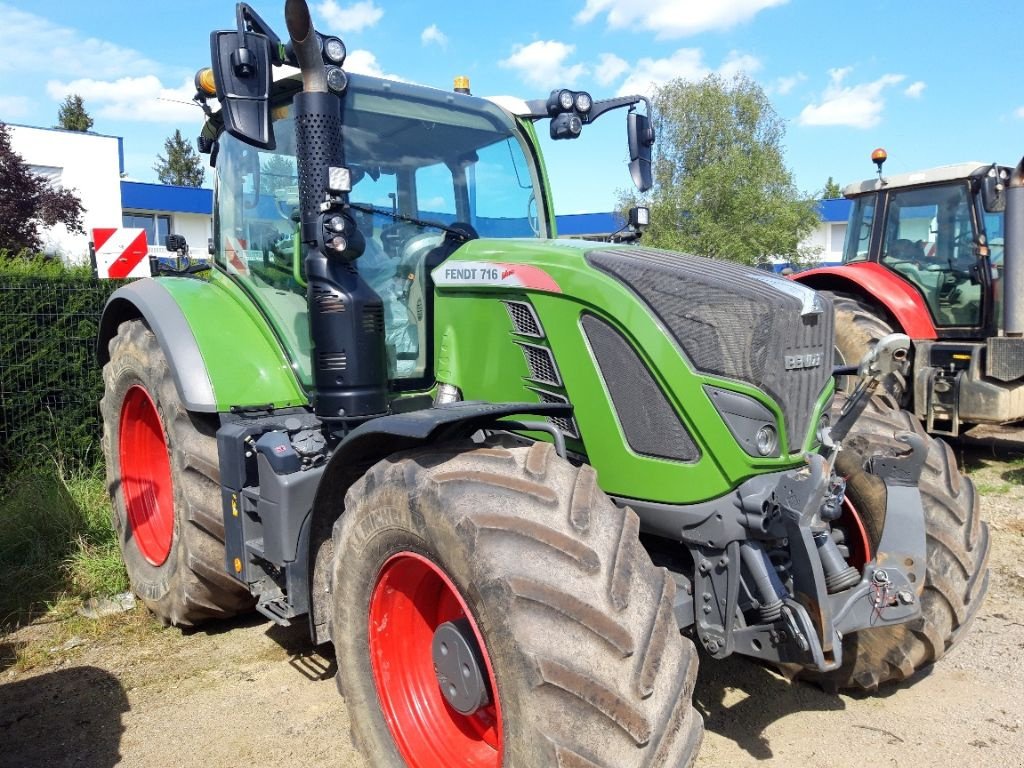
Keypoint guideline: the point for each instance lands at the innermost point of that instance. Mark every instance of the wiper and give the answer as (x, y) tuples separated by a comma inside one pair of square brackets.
[(461, 234)]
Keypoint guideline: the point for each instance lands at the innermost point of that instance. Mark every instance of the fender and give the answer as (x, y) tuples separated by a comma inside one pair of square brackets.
[(222, 353), (900, 298)]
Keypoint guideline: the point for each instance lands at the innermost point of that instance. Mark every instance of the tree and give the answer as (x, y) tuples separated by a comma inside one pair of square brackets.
[(28, 202), (831, 191), (278, 172), (721, 186), (72, 115), (183, 167)]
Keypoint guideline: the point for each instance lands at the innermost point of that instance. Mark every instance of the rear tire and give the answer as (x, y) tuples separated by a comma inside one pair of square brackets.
[(956, 578), (163, 479), (577, 624)]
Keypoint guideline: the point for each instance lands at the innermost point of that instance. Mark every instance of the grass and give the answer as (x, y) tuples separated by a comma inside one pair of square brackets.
[(56, 540)]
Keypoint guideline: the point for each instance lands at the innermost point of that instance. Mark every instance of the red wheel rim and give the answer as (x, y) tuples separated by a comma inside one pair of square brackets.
[(856, 535), (411, 599), (146, 476)]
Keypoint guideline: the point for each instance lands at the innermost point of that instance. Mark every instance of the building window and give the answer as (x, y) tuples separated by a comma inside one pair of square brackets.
[(50, 173), (157, 226)]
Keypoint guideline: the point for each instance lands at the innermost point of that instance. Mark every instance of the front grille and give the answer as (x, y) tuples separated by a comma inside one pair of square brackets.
[(566, 424), (1004, 358), (542, 364), (735, 322), (524, 319)]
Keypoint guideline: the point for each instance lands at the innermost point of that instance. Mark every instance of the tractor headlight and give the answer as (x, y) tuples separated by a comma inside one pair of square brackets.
[(824, 424), (566, 126), (583, 102), (334, 50), (565, 100), (766, 440), (337, 80)]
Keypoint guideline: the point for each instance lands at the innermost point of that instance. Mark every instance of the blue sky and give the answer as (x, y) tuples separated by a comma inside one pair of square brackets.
[(932, 81)]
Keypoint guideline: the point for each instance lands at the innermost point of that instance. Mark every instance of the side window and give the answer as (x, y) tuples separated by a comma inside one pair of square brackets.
[(858, 235), (435, 193)]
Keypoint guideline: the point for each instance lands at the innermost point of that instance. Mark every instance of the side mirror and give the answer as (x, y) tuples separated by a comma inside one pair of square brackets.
[(241, 70), (641, 139), (993, 190)]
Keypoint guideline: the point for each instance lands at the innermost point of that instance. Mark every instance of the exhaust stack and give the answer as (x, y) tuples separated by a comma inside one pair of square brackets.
[(1013, 254), (346, 316)]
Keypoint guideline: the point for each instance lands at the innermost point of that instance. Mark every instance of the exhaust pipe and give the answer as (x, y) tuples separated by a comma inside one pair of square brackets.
[(305, 46), (346, 316), (1013, 254)]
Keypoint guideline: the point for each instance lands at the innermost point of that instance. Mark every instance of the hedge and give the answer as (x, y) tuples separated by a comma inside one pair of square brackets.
[(50, 385)]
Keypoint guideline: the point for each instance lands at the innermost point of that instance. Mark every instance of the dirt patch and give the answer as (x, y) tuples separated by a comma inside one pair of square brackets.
[(126, 692)]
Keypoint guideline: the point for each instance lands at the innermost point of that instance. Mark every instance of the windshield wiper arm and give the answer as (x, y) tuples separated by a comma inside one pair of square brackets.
[(462, 235)]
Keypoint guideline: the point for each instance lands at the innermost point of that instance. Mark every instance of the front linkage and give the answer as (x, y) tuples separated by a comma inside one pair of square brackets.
[(771, 577)]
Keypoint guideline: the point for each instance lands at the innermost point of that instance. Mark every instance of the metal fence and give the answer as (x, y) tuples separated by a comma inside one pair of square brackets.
[(50, 384)]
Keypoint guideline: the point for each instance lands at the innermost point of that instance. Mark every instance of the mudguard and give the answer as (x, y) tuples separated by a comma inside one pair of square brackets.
[(221, 351), (881, 286)]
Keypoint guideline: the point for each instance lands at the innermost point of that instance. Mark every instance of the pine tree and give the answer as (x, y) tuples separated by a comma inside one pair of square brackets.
[(72, 115), (182, 167), (831, 191)]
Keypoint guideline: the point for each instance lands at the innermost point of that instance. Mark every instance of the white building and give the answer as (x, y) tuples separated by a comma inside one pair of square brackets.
[(91, 165)]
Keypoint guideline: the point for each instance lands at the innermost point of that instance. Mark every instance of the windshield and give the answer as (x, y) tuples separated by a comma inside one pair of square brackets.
[(419, 165)]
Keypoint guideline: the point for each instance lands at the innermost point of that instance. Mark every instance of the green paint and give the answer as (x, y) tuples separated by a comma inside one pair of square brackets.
[(245, 361), (482, 358)]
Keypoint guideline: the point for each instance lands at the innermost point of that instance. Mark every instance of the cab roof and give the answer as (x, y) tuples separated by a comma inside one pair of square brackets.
[(919, 178)]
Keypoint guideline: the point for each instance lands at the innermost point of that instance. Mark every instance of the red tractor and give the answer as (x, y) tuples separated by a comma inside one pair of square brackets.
[(938, 255)]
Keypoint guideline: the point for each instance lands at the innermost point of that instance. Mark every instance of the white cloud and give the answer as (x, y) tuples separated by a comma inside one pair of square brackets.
[(685, 64), (349, 18), (610, 68), (434, 35), (674, 18), (543, 63), (1019, 112), (856, 106), (13, 107), (363, 62), (785, 85), (914, 90), (139, 99), (43, 47)]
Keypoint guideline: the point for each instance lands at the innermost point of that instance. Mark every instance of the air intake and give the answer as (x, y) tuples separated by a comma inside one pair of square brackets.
[(542, 365), (524, 319), (567, 425)]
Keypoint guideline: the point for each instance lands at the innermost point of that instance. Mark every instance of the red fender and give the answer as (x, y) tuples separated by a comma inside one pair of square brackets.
[(899, 297)]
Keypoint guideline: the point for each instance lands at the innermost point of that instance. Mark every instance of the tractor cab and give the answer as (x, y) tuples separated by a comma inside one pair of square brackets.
[(941, 231), (924, 255)]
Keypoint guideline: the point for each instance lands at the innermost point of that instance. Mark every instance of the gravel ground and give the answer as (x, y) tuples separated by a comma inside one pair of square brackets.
[(124, 692)]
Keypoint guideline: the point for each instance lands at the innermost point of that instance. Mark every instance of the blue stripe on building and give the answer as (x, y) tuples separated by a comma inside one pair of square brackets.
[(138, 196)]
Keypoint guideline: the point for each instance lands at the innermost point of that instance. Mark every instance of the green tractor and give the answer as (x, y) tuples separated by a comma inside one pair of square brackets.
[(512, 479)]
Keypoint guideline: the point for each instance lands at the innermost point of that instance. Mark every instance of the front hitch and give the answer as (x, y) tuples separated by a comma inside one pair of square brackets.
[(813, 621)]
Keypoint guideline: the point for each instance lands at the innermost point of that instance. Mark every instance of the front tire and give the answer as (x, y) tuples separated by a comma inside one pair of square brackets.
[(956, 577), (584, 662), (859, 326), (163, 479)]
